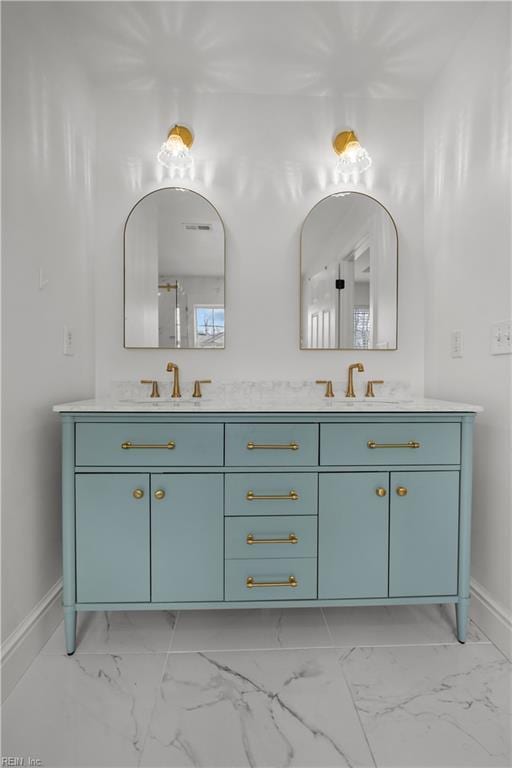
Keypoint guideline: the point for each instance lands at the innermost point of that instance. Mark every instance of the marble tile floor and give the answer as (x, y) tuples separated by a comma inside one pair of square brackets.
[(374, 686)]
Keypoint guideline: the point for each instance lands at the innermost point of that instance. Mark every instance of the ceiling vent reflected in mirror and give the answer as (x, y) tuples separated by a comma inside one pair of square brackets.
[(198, 227)]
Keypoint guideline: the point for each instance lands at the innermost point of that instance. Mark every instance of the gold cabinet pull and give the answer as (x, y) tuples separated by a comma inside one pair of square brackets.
[(286, 447), (381, 492), (401, 491), (250, 583), (128, 445), (138, 493), (160, 494), (292, 496), (410, 444), (292, 539)]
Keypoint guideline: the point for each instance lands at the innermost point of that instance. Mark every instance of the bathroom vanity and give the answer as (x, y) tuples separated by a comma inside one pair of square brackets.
[(204, 505)]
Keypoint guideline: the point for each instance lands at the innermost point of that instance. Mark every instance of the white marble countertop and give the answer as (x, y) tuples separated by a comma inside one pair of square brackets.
[(272, 405)]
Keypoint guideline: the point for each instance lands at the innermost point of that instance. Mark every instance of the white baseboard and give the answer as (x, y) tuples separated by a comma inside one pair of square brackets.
[(22, 646), (492, 617)]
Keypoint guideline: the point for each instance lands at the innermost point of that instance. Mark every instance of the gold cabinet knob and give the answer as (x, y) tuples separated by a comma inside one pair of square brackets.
[(381, 492), (160, 494), (401, 491), (138, 493)]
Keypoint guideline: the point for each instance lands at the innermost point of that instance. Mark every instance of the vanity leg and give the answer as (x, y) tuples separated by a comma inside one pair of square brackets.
[(462, 611), (70, 629)]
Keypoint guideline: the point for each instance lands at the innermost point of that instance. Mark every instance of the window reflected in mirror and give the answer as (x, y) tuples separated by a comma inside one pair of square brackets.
[(349, 275), (174, 272)]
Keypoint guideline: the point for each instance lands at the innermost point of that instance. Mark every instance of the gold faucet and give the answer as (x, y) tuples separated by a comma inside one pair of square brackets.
[(173, 368), (350, 386), (154, 387), (369, 387), (197, 386), (328, 387)]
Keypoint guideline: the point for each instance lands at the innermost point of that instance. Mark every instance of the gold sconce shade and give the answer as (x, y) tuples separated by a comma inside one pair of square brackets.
[(353, 158), (342, 141), (183, 133)]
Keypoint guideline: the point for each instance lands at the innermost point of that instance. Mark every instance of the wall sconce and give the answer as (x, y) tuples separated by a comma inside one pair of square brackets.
[(175, 151), (353, 158)]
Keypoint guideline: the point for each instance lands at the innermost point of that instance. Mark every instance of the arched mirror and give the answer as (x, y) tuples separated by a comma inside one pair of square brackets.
[(349, 275), (174, 272)]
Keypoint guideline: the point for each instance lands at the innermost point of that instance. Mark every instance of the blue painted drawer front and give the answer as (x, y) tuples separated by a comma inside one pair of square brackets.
[(353, 535), (187, 533), (195, 444), (424, 534), (271, 570), (112, 538), (239, 436), (299, 492), (347, 444), (303, 528)]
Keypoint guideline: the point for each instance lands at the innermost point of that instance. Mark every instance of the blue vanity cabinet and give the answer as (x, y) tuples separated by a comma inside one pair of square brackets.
[(182, 509), (187, 537), (112, 538), (353, 527), (402, 523), (424, 533)]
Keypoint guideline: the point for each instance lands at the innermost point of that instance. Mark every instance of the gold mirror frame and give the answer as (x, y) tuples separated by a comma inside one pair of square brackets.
[(153, 192), (345, 349)]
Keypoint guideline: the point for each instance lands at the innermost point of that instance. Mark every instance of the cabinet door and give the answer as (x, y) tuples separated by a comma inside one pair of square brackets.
[(187, 537), (424, 526), (353, 535), (112, 538)]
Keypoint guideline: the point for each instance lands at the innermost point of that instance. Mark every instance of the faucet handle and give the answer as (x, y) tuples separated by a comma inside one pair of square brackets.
[(369, 387), (197, 386), (155, 392), (328, 387)]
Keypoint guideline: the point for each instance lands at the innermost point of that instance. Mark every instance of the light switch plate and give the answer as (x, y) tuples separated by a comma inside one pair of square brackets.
[(501, 338), (456, 344), (69, 343)]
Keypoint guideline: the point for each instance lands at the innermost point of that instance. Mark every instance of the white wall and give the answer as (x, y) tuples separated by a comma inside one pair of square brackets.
[(47, 135), (468, 271), (263, 161)]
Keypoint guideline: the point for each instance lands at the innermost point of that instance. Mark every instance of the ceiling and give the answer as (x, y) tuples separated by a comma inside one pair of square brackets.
[(366, 49)]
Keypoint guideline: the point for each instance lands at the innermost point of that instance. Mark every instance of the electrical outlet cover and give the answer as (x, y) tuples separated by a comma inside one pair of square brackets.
[(501, 338)]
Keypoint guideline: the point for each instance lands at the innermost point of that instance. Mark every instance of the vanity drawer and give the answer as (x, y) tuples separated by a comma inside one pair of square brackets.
[(261, 537), (260, 445), (271, 493), (379, 444), (149, 444), (275, 575)]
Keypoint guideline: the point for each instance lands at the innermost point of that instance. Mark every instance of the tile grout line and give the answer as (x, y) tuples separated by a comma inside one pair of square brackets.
[(350, 693), (157, 689), (153, 708), (333, 647), (331, 636), (173, 633)]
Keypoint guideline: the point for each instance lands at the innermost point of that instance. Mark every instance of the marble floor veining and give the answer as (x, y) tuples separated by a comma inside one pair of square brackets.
[(376, 686)]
